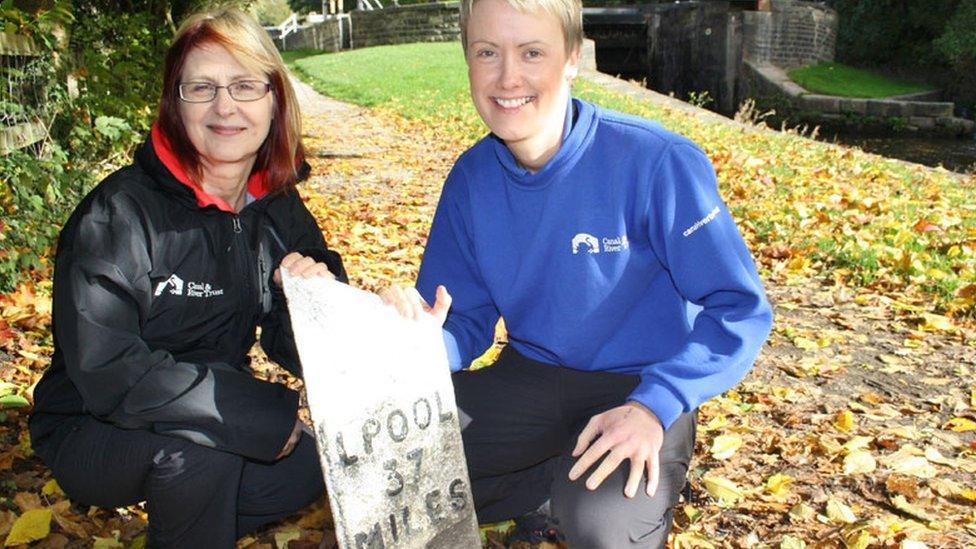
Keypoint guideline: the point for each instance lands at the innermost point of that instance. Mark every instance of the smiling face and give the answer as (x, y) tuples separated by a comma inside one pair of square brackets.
[(520, 74), (224, 131)]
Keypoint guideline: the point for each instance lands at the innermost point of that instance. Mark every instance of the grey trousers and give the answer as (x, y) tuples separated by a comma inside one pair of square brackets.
[(520, 420), (196, 497)]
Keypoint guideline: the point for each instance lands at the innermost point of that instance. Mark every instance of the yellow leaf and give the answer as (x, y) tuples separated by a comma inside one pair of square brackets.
[(51, 488), (844, 421), (790, 542), (283, 537), (33, 525), (912, 544), (960, 424), (859, 462), (857, 443), (106, 543), (839, 513), (901, 503), (859, 539), (937, 323), (779, 484), (723, 490), (802, 512), (916, 466), (725, 446), (804, 343), (720, 420)]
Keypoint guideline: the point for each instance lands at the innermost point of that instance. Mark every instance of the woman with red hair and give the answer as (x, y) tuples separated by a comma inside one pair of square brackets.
[(163, 274)]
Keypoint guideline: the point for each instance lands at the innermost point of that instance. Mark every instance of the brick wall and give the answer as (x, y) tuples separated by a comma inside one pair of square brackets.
[(793, 33), (436, 22)]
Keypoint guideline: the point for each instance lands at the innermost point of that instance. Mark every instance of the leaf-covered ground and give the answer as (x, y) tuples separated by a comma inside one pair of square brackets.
[(855, 428)]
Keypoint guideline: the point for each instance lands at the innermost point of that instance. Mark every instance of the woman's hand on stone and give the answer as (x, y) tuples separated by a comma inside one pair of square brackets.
[(300, 265), (410, 304)]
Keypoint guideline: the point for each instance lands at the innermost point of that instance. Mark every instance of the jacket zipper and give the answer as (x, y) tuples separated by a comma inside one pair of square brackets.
[(246, 266)]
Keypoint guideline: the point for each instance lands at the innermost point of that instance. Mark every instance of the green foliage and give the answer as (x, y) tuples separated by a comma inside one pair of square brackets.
[(305, 7), (879, 32), (958, 45), (112, 57), (270, 12), (840, 79)]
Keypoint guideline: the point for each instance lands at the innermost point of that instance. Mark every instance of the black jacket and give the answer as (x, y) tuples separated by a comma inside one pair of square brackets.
[(156, 301)]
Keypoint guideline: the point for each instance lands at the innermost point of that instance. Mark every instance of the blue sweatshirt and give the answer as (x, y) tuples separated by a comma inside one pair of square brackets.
[(618, 255)]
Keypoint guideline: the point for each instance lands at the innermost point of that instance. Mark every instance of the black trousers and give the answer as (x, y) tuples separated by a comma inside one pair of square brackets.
[(520, 420), (195, 496)]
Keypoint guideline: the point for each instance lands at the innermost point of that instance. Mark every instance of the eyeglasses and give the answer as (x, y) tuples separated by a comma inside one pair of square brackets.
[(205, 92)]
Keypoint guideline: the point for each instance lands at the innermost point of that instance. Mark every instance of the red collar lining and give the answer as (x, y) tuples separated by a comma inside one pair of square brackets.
[(256, 183)]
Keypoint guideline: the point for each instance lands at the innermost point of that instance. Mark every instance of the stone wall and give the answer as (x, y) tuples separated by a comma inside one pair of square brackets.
[(436, 22), (325, 36), (693, 47), (792, 34)]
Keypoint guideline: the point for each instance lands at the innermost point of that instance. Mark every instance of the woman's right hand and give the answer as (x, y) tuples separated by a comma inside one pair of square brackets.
[(410, 304)]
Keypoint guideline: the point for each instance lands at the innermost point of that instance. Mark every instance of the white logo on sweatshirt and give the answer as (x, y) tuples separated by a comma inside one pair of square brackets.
[(702, 222), (193, 289), (587, 243)]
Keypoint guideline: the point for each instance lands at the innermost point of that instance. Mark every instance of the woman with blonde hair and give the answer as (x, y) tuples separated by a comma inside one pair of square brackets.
[(163, 274)]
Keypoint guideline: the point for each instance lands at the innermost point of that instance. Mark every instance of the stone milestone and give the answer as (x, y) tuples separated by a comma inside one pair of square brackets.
[(380, 394)]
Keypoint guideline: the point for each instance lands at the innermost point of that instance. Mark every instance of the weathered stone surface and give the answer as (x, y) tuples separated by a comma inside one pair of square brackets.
[(821, 103), (922, 122), (855, 106), (885, 107), (386, 423), (933, 109)]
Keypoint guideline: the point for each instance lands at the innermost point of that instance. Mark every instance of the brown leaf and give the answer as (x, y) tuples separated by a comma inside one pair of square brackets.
[(27, 501)]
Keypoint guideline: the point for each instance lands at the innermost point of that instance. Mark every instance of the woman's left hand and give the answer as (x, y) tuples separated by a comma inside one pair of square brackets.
[(410, 304), (300, 265)]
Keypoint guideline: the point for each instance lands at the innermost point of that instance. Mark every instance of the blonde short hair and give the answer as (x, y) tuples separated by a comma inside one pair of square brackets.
[(568, 12)]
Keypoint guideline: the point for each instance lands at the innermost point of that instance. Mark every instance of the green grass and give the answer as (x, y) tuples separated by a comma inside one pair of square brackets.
[(848, 215), (845, 81), (422, 77)]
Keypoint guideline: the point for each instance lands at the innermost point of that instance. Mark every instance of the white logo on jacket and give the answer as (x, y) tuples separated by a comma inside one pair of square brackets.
[(587, 243), (174, 281), (702, 222), (193, 289)]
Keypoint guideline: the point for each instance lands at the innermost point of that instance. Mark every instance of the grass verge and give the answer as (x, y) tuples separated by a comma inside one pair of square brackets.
[(845, 81)]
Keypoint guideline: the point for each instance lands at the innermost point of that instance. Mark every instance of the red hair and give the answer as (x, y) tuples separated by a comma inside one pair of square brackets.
[(282, 152)]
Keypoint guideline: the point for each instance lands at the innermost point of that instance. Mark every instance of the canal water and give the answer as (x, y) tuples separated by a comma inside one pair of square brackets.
[(956, 154)]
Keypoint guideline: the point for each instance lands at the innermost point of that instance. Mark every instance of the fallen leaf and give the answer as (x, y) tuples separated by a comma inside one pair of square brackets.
[(901, 503), (859, 462), (839, 513), (724, 490), (844, 421), (725, 446), (960, 424), (779, 484), (33, 525), (790, 542)]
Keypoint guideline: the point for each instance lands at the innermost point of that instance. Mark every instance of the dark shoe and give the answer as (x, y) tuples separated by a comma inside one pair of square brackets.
[(536, 527)]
